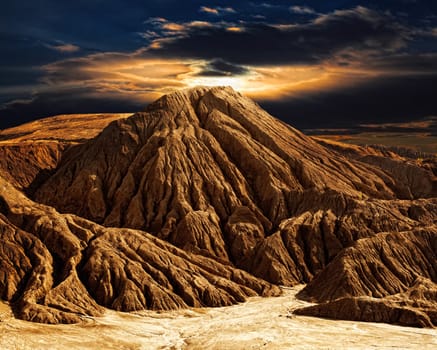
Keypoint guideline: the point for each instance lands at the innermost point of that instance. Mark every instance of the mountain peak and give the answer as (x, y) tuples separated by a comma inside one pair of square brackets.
[(210, 172), (204, 157), (214, 96)]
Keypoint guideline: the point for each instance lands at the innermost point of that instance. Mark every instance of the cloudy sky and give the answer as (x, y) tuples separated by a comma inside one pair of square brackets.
[(311, 63)]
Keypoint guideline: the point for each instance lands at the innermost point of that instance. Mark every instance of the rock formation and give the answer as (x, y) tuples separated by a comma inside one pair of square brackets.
[(408, 172), (220, 185), (30, 152), (390, 277), (58, 268), (203, 150), (211, 172), (26, 164)]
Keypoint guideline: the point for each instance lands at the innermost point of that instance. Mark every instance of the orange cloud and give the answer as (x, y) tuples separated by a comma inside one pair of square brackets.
[(175, 27), (200, 24), (68, 48), (234, 29), (277, 82), (209, 10), (142, 77), (132, 75)]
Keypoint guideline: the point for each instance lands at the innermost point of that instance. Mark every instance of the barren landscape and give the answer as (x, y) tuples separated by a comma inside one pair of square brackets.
[(211, 214), (259, 323), (223, 175), (418, 137)]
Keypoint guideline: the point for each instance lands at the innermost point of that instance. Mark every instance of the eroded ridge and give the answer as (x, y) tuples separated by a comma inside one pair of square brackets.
[(211, 172), (57, 268), (206, 170)]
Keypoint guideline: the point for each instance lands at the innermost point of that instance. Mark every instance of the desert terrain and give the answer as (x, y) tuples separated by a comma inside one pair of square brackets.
[(417, 138), (205, 222), (259, 323)]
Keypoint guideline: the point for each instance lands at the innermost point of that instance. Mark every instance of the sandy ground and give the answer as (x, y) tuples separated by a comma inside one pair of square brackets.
[(260, 323)]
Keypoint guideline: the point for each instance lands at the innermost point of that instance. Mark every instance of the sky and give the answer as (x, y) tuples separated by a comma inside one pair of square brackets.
[(313, 64)]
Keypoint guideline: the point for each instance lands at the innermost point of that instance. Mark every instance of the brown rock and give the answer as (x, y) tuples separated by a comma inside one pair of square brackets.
[(57, 268), (30, 152), (370, 310), (385, 264), (210, 172), (185, 167), (26, 165), (387, 278), (198, 149), (409, 178)]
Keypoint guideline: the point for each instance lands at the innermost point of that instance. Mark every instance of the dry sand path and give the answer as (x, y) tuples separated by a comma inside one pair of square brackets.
[(260, 323)]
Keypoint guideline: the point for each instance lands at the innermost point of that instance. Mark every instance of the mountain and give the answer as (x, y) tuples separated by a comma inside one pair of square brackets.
[(218, 182), (389, 278), (29, 152), (57, 268)]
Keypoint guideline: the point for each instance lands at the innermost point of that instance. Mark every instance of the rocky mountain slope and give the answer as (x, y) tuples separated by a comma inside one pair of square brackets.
[(396, 272), (208, 171), (29, 152), (57, 268)]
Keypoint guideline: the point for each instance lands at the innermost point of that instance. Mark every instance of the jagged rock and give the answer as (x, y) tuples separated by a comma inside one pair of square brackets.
[(185, 167), (29, 163), (194, 150), (390, 278), (412, 178), (385, 264), (370, 310), (210, 172), (57, 268), (30, 152), (305, 244)]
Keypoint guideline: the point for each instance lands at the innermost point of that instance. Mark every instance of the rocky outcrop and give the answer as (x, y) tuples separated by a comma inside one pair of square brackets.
[(29, 153), (202, 149), (305, 244), (413, 178), (222, 187), (390, 278), (58, 268), (27, 165), (386, 264), (375, 310), (209, 171)]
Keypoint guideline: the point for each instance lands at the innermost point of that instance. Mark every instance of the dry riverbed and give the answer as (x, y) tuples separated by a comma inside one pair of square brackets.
[(260, 323)]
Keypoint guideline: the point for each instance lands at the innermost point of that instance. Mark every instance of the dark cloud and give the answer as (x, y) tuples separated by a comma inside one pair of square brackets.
[(25, 51), (405, 63), (381, 100), (266, 44), (219, 67), (65, 102), (71, 50), (18, 76), (21, 60)]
